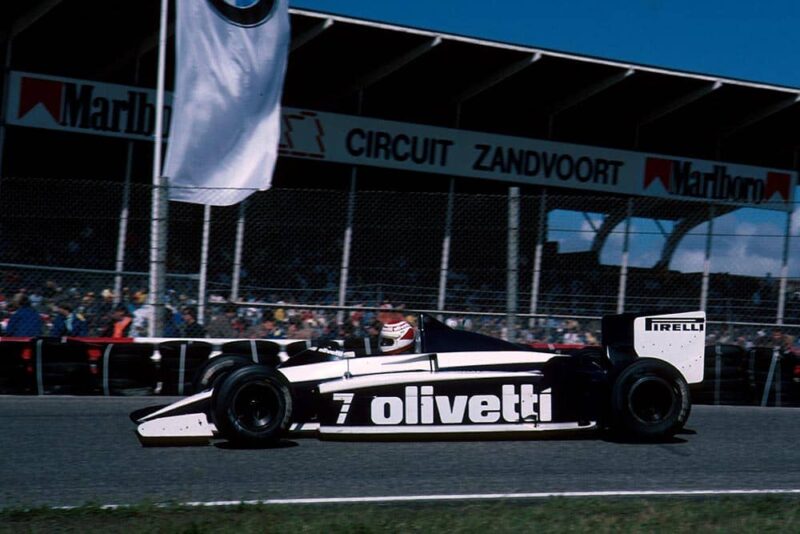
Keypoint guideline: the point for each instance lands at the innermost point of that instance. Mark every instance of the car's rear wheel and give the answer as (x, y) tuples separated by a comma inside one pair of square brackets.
[(252, 406), (649, 400)]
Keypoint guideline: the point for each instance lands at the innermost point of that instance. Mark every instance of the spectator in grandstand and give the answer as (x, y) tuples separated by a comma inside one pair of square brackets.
[(25, 322), (783, 342), (50, 290), (100, 312), (36, 299), (68, 322), (174, 322), (572, 335), (325, 335), (279, 314), (374, 333), (267, 329), (191, 328), (142, 315), (224, 326), (297, 330), (120, 323)]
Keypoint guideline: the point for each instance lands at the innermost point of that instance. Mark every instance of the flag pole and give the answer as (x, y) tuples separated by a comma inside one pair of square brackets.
[(158, 223)]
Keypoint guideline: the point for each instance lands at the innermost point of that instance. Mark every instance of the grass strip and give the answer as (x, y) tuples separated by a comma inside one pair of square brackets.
[(659, 514)]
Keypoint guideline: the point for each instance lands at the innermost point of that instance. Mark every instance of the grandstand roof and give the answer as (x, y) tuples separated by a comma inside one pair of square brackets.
[(341, 64), (451, 80)]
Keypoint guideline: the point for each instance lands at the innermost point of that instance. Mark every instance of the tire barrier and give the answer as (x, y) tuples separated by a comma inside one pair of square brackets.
[(102, 366), (17, 371), (725, 377), (259, 350), (64, 368), (761, 376), (128, 369), (180, 362), (771, 377)]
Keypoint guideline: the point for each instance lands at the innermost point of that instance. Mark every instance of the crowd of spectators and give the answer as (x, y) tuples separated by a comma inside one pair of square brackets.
[(50, 310)]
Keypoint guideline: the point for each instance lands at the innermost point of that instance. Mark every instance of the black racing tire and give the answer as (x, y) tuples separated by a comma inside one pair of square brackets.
[(650, 400), (252, 406), (216, 368)]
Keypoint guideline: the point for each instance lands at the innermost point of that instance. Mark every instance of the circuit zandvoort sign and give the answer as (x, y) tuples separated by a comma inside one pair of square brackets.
[(366, 141), (125, 111)]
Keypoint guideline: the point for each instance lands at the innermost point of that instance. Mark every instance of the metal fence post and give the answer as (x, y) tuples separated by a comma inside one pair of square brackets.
[(707, 261), (106, 369), (717, 371), (4, 103), (513, 262), (125, 210), (201, 290), (623, 268), (348, 237), (445, 265), (182, 369), (123, 226), (776, 354), (784, 270), (39, 369), (537, 258), (237, 252), (778, 382), (160, 202)]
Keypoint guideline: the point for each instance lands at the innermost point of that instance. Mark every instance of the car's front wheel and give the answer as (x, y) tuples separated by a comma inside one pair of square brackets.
[(252, 406)]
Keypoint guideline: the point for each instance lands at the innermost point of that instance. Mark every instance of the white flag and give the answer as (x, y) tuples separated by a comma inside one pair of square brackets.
[(230, 63)]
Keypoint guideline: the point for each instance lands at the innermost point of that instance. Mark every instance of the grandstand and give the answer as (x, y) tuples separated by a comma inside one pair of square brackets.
[(62, 186)]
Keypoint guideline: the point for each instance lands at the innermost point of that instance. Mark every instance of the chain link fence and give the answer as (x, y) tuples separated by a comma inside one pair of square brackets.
[(551, 265)]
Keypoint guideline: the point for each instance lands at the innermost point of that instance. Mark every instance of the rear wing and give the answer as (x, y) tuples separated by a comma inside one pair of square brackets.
[(676, 338)]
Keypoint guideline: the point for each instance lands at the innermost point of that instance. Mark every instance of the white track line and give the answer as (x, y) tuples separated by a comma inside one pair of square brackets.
[(464, 497)]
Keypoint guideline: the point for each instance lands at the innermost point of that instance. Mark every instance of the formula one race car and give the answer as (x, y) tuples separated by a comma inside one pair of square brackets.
[(457, 385)]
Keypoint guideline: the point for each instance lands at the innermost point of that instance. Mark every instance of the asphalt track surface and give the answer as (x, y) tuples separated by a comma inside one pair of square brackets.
[(67, 451)]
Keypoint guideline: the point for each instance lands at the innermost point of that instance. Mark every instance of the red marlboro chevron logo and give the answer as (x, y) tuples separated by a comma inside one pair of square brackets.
[(89, 107), (780, 183), (681, 178), (657, 169), (35, 91)]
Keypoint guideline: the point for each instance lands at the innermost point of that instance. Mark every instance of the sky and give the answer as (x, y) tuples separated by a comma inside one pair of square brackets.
[(752, 40)]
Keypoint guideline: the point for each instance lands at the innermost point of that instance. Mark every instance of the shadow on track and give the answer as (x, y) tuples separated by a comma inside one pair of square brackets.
[(282, 444)]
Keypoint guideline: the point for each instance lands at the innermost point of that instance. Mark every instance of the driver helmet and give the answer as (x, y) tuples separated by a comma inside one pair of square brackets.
[(396, 337)]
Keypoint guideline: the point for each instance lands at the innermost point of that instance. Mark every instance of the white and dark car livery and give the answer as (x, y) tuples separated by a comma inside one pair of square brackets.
[(459, 384)]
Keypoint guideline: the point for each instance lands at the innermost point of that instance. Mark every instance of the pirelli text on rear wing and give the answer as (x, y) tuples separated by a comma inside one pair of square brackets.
[(676, 338)]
